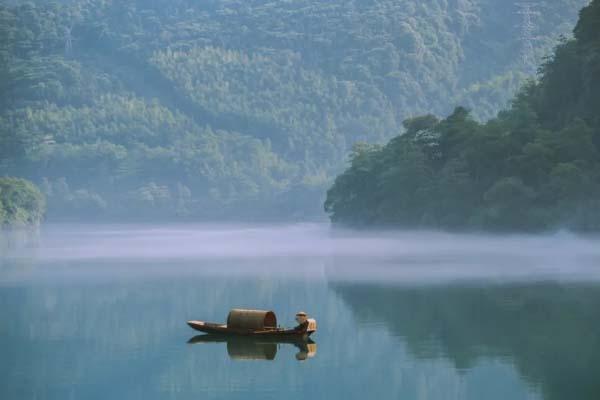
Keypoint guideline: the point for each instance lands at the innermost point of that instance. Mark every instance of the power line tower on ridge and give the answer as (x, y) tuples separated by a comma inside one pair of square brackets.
[(68, 41), (527, 37)]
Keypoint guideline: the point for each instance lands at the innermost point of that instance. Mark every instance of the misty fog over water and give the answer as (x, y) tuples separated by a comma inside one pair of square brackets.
[(320, 250)]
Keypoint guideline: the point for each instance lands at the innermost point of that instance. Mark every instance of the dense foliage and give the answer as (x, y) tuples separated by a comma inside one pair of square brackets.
[(21, 203), (170, 108), (536, 166)]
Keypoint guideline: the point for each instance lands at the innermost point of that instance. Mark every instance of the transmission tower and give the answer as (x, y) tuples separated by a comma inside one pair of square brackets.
[(528, 13), (68, 41)]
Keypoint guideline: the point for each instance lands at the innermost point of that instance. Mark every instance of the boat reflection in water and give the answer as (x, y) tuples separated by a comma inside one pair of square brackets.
[(251, 348)]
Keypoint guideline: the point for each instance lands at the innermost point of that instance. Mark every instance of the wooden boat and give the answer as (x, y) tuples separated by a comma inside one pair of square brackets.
[(220, 338), (257, 323), (223, 329)]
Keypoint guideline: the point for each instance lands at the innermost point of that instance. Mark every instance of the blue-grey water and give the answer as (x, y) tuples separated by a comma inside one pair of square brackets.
[(98, 312)]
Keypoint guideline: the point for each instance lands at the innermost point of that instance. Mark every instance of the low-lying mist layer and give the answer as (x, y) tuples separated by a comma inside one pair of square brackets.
[(310, 249)]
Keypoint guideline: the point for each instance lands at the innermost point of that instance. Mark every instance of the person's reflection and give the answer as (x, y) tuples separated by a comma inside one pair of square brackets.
[(306, 350), (245, 348)]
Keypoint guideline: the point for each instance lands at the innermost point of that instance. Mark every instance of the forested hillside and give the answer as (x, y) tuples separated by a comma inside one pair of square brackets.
[(186, 108), (534, 167)]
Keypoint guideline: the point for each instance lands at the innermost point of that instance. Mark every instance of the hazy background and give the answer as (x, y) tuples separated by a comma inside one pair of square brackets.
[(213, 110)]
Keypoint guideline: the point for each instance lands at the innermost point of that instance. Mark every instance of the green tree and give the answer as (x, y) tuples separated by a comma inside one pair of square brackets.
[(21, 203)]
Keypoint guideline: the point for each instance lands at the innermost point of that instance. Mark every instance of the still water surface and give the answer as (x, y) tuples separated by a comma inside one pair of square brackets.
[(99, 312)]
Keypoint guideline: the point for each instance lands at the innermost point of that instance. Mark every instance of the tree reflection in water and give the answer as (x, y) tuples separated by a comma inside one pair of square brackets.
[(550, 332)]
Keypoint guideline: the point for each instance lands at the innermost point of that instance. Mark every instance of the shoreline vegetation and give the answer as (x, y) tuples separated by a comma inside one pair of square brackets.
[(535, 167), (22, 204)]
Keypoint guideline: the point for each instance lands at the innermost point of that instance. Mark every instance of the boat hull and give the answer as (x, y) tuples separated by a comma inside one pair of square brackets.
[(220, 338), (221, 329)]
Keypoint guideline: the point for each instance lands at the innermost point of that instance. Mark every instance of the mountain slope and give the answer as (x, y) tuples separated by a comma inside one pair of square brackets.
[(158, 109), (534, 167)]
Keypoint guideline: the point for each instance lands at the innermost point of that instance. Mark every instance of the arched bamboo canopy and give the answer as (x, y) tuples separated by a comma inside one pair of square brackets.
[(251, 319)]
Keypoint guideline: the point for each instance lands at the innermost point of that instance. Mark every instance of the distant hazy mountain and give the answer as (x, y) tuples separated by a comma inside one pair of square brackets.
[(241, 109)]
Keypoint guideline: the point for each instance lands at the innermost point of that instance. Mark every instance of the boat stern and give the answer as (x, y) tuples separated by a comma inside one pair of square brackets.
[(312, 326)]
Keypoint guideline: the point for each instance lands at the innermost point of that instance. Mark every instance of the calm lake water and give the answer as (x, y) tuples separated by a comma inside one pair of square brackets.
[(99, 313)]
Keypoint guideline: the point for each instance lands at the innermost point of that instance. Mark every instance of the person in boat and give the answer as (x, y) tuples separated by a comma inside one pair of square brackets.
[(302, 320)]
